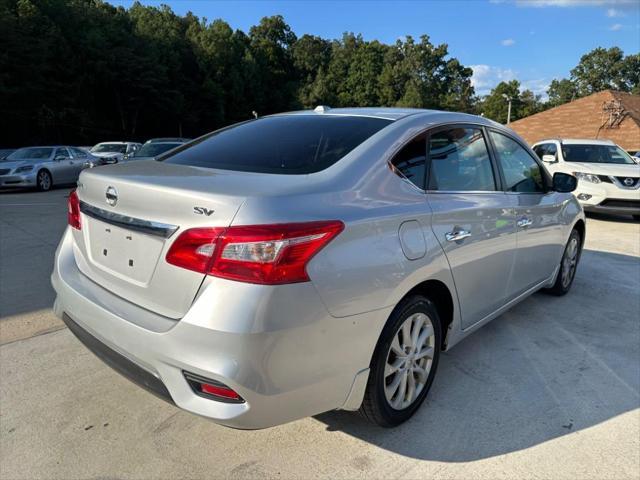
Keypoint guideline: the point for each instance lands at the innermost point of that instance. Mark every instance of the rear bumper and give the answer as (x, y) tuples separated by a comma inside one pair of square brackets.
[(277, 347), (118, 362)]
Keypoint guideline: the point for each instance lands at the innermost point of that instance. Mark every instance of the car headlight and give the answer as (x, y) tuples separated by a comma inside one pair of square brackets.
[(587, 177), (24, 168)]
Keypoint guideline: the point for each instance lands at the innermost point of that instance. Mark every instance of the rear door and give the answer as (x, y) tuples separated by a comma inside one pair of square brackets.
[(79, 159), (540, 233), (62, 166), (472, 218)]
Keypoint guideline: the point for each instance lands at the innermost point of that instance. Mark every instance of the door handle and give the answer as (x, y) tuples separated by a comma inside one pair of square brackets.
[(457, 235), (524, 222)]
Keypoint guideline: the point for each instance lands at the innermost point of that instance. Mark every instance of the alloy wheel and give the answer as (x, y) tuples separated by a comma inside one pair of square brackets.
[(409, 361), (569, 262), (44, 181)]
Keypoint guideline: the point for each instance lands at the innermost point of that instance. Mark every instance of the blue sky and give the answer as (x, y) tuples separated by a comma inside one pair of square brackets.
[(534, 41)]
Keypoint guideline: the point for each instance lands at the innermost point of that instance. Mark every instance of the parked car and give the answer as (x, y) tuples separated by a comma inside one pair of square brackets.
[(5, 152), (114, 152), (305, 262), (151, 150), (169, 139), (43, 167), (608, 178)]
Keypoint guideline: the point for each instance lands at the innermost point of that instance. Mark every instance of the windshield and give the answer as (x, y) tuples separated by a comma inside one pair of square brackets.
[(596, 154), (153, 149), (33, 153), (109, 148), (288, 144)]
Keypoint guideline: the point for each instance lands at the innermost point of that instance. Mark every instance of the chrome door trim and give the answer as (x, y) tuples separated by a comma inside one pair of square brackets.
[(158, 229)]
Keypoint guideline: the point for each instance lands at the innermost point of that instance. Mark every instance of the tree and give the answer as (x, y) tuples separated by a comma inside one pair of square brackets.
[(561, 91), (602, 69), (495, 106)]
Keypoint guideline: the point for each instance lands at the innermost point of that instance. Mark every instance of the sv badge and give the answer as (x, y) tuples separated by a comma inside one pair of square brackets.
[(202, 211)]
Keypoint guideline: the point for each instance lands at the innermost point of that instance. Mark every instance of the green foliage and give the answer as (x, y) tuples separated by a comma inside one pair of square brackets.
[(79, 71), (561, 91)]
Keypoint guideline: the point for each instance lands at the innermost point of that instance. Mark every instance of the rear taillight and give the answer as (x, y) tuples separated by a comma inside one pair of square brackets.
[(264, 254), (73, 213)]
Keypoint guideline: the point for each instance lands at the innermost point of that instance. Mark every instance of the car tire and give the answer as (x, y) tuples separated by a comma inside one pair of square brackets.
[(636, 217), (407, 375), (568, 265), (44, 182)]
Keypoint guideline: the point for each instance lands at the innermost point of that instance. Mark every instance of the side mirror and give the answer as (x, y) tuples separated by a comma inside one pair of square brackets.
[(564, 183), (549, 159)]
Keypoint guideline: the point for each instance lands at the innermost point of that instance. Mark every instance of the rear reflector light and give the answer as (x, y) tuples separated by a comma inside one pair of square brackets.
[(263, 254), (212, 389), (73, 213)]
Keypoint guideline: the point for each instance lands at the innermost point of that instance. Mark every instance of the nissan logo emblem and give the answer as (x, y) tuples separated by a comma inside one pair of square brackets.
[(112, 196), (628, 182)]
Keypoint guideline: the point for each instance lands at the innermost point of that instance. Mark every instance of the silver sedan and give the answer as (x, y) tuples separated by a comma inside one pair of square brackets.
[(311, 261), (42, 167)]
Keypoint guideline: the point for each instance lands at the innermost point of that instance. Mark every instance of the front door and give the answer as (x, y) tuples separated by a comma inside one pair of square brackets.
[(473, 219)]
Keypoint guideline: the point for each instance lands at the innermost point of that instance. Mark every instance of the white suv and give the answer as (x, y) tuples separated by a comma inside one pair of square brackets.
[(608, 178)]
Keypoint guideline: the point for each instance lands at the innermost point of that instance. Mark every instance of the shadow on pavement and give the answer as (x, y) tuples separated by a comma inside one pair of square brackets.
[(548, 367)]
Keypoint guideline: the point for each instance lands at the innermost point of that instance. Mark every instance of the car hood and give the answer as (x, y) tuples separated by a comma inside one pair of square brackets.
[(106, 154), (612, 169), (131, 159), (19, 163)]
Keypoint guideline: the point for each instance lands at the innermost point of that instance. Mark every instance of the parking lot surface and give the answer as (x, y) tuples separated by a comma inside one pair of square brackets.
[(551, 389)]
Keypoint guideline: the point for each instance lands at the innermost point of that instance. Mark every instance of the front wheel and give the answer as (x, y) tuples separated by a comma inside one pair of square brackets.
[(44, 181), (404, 363), (568, 266)]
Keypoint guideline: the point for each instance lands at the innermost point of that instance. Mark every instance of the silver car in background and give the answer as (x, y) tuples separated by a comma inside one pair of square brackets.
[(43, 167), (311, 261), (114, 152)]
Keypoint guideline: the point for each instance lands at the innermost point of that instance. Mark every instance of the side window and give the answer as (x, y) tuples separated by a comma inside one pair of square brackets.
[(78, 153), (410, 161), (62, 152), (459, 161), (521, 172), (552, 150)]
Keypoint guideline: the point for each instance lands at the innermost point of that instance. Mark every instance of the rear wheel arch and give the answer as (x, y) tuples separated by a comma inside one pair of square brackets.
[(440, 295), (581, 228)]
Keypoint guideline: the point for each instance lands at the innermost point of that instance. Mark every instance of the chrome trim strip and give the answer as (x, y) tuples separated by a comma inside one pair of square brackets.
[(144, 226)]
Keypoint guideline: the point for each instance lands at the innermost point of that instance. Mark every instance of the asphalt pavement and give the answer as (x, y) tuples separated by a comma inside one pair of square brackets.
[(551, 389)]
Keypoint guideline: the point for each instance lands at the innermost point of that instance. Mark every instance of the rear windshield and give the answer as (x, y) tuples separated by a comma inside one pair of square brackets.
[(289, 144)]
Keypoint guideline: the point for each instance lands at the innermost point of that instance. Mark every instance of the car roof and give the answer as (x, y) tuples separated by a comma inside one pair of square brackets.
[(575, 141), (387, 113)]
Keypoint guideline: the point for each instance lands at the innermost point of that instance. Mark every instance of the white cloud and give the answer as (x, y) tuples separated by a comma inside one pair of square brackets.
[(508, 42), (615, 27), (613, 12), (485, 77), (539, 86)]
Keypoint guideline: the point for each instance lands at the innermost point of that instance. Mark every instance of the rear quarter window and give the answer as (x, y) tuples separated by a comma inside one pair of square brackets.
[(288, 144)]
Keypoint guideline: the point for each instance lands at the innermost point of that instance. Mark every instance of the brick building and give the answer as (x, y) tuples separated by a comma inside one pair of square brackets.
[(606, 115)]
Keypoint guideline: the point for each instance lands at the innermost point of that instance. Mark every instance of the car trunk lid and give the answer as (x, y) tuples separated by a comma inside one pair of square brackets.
[(132, 213)]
